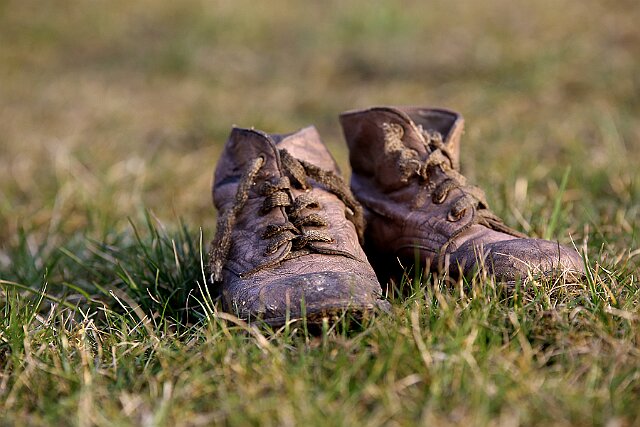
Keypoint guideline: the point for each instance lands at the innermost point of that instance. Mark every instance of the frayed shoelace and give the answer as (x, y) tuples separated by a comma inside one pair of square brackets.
[(440, 156), (278, 194)]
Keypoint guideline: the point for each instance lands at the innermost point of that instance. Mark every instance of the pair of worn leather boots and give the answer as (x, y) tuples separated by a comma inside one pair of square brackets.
[(290, 232)]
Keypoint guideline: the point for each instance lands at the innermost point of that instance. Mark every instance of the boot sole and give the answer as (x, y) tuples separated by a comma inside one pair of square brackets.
[(333, 314)]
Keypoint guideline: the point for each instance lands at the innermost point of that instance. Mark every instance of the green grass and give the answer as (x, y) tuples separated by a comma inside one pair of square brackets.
[(112, 115)]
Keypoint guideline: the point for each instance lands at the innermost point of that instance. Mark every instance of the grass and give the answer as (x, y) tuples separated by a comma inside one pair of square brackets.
[(112, 115)]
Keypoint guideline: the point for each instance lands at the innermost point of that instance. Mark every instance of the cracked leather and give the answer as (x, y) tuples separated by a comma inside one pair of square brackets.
[(403, 220), (314, 283)]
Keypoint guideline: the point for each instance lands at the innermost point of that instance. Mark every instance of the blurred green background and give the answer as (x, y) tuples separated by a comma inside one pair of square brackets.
[(111, 107)]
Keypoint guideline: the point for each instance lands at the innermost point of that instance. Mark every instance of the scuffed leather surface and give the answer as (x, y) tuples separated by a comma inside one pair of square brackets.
[(296, 282), (321, 282), (402, 217), (243, 146), (516, 259)]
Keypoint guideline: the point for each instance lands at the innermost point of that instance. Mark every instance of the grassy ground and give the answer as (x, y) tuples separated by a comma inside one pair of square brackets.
[(112, 115)]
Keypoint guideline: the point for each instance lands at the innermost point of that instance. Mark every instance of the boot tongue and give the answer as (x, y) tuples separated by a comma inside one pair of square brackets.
[(362, 126), (411, 137), (447, 123), (385, 141), (306, 145), (241, 149), (382, 142), (415, 120)]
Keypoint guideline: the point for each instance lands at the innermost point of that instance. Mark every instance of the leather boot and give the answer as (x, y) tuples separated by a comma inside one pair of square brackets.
[(287, 241), (418, 206)]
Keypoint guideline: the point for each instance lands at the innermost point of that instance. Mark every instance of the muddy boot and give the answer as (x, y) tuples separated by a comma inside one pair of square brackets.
[(287, 240), (419, 207)]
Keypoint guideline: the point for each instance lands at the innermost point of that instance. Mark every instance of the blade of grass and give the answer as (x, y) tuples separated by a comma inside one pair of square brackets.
[(555, 216)]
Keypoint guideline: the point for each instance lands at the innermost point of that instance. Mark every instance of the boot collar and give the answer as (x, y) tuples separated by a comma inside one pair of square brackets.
[(446, 122)]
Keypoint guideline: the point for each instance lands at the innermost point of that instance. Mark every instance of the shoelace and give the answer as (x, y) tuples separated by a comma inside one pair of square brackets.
[(440, 157), (278, 194)]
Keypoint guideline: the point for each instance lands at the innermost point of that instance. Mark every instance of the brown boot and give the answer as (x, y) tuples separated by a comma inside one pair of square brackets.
[(287, 237), (419, 207)]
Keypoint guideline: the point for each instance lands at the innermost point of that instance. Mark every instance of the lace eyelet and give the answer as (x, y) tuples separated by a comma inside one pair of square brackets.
[(439, 200), (453, 217)]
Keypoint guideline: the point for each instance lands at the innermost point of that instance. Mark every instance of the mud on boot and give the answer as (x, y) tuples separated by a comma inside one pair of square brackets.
[(287, 243)]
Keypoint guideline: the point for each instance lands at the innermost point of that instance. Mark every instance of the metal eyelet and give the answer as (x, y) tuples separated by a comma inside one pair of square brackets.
[(453, 217), (439, 200)]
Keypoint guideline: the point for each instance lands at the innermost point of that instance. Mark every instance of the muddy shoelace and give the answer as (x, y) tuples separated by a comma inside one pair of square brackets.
[(278, 194), (439, 160)]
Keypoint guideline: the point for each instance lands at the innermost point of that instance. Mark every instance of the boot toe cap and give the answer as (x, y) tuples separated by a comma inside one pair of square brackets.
[(312, 295), (521, 259)]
